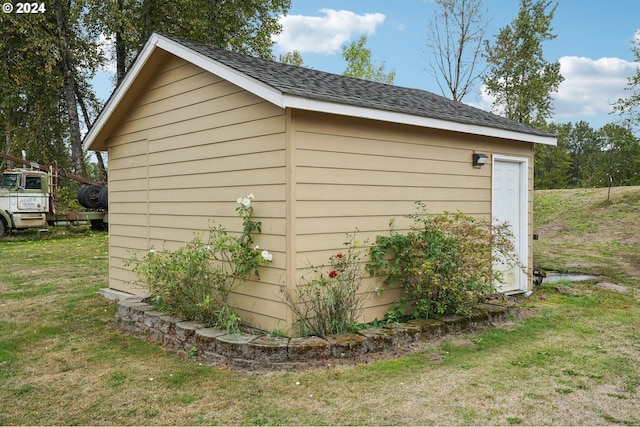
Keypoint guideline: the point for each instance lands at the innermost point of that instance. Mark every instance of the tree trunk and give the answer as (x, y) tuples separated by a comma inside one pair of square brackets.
[(77, 155), (7, 139), (7, 126), (121, 50), (102, 172)]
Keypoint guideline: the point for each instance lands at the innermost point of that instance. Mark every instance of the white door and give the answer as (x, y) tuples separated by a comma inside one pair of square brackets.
[(510, 203)]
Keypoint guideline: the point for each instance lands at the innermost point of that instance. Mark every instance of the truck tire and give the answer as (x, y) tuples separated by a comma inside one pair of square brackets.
[(99, 225), (89, 197), (3, 228), (103, 197), (81, 195)]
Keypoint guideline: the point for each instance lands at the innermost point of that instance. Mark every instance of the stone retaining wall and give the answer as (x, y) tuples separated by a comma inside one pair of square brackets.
[(137, 317)]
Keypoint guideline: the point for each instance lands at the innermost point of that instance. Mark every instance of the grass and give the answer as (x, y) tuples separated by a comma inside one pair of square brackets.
[(574, 360), (587, 231)]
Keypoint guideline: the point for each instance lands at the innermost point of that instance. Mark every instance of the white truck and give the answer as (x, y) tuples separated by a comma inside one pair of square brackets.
[(28, 198)]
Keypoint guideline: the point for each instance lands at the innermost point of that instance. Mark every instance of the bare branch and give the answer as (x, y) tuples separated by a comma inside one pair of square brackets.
[(456, 37)]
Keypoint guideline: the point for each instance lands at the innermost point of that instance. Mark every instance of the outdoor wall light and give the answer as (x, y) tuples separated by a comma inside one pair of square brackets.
[(479, 160)]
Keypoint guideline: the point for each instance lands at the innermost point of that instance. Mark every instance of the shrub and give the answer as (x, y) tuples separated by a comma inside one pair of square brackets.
[(195, 280), (329, 302), (444, 262)]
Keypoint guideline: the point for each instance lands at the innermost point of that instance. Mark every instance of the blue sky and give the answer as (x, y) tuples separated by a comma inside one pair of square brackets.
[(593, 45)]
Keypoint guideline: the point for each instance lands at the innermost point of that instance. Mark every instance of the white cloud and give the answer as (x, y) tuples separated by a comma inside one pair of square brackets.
[(324, 34), (485, 101), (589, 88)]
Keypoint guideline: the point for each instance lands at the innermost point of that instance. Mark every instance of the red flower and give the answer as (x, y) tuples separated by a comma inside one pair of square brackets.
[(333, 273), (339, 255)]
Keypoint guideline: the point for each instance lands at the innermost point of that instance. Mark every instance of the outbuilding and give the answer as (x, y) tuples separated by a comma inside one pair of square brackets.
[(191, 128)]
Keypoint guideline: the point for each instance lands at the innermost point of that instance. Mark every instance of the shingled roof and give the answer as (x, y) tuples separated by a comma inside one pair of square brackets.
[(317, 90), (320, 85)]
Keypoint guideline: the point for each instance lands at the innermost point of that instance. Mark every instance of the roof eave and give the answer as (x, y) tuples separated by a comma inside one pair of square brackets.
[(303, 103)]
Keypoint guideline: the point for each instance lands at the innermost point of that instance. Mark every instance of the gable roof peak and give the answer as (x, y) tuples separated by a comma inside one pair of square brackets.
[(289, 86)]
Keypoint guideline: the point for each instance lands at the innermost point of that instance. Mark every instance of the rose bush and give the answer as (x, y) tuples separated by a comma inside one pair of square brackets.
[(329, 302), (195, 281)]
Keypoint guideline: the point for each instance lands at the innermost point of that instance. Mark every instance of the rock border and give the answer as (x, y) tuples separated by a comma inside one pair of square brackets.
[(135, 316)]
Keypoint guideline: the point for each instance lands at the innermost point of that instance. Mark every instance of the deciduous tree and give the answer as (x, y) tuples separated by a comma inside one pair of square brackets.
[(245, 26), (359, 65), (519, 78), (585, 154), (32, 117), (585, 157), (552, 163), (63, 11), (455, 38), (620, 157), (292, 58), (629, 107)]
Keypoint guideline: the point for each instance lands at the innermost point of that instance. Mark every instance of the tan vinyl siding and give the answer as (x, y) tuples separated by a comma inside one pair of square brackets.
[(359, 174), (189, 146)]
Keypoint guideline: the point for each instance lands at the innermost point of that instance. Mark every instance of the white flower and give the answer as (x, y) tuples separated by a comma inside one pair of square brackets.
[(152, 251), (246, 200), (267, 256), (256, 248)]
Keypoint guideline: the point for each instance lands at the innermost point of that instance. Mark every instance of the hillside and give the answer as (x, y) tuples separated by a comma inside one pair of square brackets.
[(581, 231)]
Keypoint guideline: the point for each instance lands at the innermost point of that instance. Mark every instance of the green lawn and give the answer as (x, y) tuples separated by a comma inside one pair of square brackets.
[(589, 231), (574, 359)]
